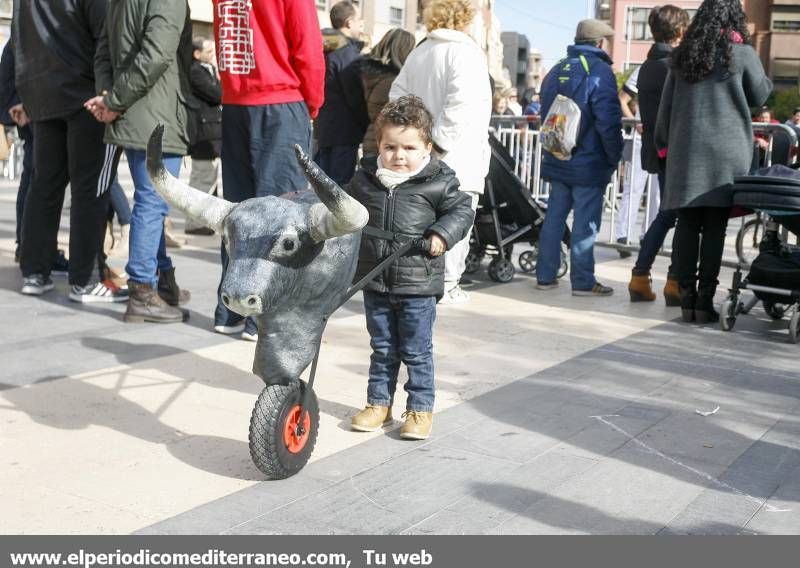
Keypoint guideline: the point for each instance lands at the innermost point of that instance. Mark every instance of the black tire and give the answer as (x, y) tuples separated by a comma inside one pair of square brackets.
[(748, 240), (527, 260), (775, 311), (270, 452), (473, 263), (794, 326), (501, 270)]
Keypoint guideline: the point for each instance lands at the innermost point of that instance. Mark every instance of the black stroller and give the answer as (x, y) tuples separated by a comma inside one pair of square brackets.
[(507, 214), (774, 276)]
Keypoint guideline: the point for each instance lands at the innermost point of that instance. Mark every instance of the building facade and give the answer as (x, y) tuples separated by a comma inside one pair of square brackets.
[(775, 29), (516, 52)]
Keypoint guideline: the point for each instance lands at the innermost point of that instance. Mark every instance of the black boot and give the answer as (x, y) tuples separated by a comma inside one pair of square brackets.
[(704, 311), (168, 289), (688, 298)]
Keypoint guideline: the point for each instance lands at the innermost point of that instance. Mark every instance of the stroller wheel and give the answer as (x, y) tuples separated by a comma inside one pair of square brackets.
[(562, 270), (728, 314), (278, 447), (775, 311), (794, 326), (473, 263), (501, 270), (527, 260)]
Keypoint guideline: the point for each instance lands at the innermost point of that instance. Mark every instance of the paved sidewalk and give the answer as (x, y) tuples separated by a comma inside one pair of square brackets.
[(554, 415)]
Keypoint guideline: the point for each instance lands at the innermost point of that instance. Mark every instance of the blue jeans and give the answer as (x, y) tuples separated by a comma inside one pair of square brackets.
[(258, 159), (339, 162), (147, 251), (119, 203), (400, 330), (653, 239), (587, 204)]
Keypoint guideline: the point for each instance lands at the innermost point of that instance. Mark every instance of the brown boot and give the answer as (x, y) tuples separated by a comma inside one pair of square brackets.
[(169, 291), (641, 287), (146, 305), (672, 296)]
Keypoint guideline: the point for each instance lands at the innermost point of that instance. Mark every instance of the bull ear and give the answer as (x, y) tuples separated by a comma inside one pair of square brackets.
[(195, 204), (338, 214)]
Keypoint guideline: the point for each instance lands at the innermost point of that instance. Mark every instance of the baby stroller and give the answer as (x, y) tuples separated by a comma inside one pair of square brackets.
[(774, 276), (507, 214)]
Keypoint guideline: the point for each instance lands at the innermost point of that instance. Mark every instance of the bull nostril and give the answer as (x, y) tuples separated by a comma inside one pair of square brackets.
[(226, 300)]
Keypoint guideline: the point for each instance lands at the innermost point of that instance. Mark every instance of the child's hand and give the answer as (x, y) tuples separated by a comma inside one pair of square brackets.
[(438, 245)]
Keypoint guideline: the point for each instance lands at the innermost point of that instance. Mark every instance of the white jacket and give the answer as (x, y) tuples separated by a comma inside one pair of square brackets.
[(448, 72)]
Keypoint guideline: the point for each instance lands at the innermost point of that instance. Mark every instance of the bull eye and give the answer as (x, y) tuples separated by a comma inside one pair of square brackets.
[(288, 245)]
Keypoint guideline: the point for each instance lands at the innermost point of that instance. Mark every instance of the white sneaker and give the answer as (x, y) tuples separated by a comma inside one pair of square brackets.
[(230, 329), (454, 296), (250, 336), (36, 285)]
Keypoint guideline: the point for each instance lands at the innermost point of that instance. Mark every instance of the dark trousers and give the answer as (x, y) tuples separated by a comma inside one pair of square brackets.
[(653, 239), (26, 135), (258, 159), (339, 162), (66, 150), (700, 232)]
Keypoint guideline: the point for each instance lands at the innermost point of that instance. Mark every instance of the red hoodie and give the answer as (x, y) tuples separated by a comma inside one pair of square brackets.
[(269, 52)]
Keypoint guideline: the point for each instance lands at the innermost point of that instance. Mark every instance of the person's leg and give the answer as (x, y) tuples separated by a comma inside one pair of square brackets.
[(342, 163), (455, 261), (26, 135), (203, 176), (712, 245), (587, 215), (653, 203), (238, 184), (685, 250), (322, 157), (119, 202), (384, 363), (147, 252), (415, 318), (42, 210), (275, 131), (654, 238), (551, 234)]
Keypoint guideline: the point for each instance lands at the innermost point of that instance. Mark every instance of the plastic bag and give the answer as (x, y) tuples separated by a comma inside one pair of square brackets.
[(559, 130)]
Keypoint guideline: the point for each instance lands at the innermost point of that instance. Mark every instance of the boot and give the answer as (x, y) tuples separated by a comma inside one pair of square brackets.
[(146, 305), (120, 248), (688, 296), (672, 296), (704, 311), (169, 290), (640, 287)]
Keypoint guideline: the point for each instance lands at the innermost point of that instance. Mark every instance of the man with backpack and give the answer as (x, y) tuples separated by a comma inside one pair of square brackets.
[(582, 139)]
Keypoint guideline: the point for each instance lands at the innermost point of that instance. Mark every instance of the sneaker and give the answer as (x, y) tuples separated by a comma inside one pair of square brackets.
[(417, 425), (454, 296), (60, 264), (597, 290), (229, 329), (36, 285), (97, 292), (371, 418), (203, 231), (250, 332), (546, 285)]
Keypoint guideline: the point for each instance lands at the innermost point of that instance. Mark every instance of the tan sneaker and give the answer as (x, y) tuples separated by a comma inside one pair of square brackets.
[(371, 418), (417, 425)]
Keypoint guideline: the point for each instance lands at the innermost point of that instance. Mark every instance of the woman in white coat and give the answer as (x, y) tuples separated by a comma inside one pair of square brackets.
[(448, 71)]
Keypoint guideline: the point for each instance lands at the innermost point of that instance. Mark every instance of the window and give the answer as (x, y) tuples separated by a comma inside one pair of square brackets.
[(638, 28), (396, 16), (786, 71), (5, 8), (322, 4), (786, 19)]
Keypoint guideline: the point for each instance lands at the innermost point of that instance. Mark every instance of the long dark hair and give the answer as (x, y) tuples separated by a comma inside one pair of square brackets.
[(708, 40)]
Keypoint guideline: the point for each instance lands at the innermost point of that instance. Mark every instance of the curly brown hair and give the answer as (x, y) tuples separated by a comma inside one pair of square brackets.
[(408, 111), (449, 14)]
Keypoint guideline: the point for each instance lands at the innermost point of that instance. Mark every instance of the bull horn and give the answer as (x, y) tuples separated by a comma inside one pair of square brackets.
[(195, 204), (338, 214)]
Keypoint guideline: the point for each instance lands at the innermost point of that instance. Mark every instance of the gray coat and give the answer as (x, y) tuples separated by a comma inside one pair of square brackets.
[(707, 129)]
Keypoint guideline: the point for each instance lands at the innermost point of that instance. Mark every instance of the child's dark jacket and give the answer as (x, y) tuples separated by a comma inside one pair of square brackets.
[(428, 202)]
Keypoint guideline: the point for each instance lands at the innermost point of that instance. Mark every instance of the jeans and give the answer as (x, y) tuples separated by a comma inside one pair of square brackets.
[(65, 150), (339, 162), (587, 206), (653, 239), (258, 159), (711, 223), (147, 250), (119, 203), (400, 330), (26, 135)]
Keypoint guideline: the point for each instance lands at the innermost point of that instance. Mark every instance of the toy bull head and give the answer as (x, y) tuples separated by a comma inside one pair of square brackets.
[(292, 258)]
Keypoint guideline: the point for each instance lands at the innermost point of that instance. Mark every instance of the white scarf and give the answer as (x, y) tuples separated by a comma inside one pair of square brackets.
[(392, 179)]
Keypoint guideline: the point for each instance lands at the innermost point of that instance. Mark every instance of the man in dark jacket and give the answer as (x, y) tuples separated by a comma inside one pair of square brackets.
[(343, 118), (578, 183), (206, 119), (54, 75), (141, 73)]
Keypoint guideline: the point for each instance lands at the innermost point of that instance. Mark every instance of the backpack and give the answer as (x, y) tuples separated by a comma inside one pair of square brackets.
[(559, 132)]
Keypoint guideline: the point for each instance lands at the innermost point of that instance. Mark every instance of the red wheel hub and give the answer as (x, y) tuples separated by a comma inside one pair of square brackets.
[(295, 442)]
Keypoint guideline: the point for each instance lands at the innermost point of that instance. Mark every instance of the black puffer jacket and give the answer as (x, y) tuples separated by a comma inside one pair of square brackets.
[(206, 116), (652, 77), (429, 202)]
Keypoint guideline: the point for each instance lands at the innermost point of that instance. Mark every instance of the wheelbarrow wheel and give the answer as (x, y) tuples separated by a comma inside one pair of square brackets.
[(277, 448)]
